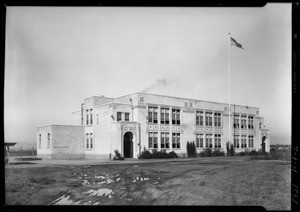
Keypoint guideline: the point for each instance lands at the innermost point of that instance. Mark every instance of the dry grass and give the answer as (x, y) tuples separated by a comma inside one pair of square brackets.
[(207, 181)]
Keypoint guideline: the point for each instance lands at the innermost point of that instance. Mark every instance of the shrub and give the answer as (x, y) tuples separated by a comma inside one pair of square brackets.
[(118, 156), (207, 152), (191, 149), (273, 155), (173, 154), (217, 152), (145, 155)]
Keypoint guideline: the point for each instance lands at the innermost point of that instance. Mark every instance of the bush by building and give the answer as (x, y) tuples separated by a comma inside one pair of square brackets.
[(157, 154), (118, 156), (230, 152)]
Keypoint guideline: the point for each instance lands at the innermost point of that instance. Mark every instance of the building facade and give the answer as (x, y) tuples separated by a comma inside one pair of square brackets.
[(141, 121)]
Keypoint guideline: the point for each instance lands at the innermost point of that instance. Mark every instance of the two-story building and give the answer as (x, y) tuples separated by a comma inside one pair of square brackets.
[(141, 121)]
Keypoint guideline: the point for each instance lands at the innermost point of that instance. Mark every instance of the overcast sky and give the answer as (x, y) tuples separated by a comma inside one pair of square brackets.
[(57, 56)]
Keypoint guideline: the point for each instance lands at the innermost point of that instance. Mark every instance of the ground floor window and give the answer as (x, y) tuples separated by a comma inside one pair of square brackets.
[(91, 140), (244, 141), (236, 142), (208, 141), (217, 141), (176, 140), (164, 141), (199, 140), (87, 141), (153, 140), (250, 141), (48, 140)]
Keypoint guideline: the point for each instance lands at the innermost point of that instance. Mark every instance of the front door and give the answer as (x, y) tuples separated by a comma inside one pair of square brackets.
[(128, 145)]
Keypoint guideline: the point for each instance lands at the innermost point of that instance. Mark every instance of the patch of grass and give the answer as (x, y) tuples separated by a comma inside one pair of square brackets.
[(275, 154)]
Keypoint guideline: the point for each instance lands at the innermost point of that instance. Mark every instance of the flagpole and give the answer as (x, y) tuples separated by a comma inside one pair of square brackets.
[(229, 109)]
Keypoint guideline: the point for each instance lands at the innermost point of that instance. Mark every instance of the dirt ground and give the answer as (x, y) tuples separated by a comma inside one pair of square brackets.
[(205, 181)]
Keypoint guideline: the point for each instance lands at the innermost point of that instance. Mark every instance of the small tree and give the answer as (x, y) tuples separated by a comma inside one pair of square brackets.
[(118, 156), (230, 152), (191, 149)]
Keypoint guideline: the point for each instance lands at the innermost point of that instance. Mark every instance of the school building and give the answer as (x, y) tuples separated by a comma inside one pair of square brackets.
[(141, 121)]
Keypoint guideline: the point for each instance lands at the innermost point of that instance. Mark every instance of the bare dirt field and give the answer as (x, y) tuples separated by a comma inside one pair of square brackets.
[(204, 181)]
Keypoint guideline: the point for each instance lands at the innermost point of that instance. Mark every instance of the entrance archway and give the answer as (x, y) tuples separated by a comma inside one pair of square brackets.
[(128, 145), (263, 144)]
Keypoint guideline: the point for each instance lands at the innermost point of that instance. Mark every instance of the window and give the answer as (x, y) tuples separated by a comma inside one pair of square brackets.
[(243, 122), (152, 115), (40, 141), (250, 141), (87, 117), (244, 141), (199, 140), (208, 119), (199, 118), (186, 104), (164, 141), (236, 142), (48, 140), (208, 140), (176, 116), (217, 141), (176, 140), (153, 140), (119, 116), (141, 99), (190, 104), (218, 119), (127, 116), (91, 140), (97, 118), (87, 141), (91, 115), (236, 121), (250, 122), (164, 116)]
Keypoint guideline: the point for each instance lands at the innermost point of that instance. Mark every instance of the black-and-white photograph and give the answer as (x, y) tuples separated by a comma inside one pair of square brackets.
[(186, 106)]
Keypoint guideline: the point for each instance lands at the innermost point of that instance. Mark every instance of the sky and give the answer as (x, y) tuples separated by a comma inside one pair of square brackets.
[(57, 56)]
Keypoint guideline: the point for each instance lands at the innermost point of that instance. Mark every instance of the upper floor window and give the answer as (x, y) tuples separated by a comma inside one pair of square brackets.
[(141, 99), (186, 104), (208, 119), (153, 140), (87, 117), (48, 140), (176, 116), (164, 141), (217, 141), (176, 140), (218, 119), (127, 116), (97, 118), (236, 122), (164, 116), (250, 122), (244, 122), (119, 116), (236, 141), (152, 115), (40, 140), (91, 115), (199, 140), (199, 118), (190, 104)]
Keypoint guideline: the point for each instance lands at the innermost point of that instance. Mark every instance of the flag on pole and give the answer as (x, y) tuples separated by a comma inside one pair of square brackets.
[(234, 43)]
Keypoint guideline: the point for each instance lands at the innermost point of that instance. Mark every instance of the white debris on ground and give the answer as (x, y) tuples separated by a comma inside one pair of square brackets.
[(85, 182), (141, 179), (64, 200), (100, 192), (128, 199), (96, 203), (155, 182), (134, 181)]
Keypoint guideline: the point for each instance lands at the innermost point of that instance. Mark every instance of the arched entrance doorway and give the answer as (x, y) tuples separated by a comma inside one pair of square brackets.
[(263, 144), (128, 145)]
